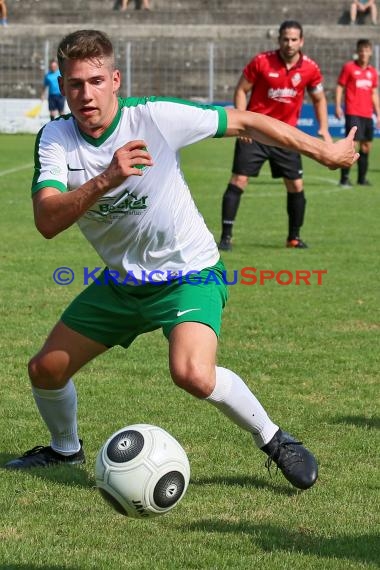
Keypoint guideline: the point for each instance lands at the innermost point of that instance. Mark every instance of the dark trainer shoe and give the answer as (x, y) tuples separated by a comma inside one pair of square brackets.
[(346, 183), (296, 243), (225, 244), (297, 464), (41, 456)]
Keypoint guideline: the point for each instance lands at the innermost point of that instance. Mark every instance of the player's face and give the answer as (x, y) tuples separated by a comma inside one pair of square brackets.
[(364, 55), (290, 42), (90, 87)]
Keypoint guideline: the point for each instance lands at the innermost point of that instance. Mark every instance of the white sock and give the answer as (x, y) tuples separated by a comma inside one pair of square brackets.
[(58, 409), (233, 397)]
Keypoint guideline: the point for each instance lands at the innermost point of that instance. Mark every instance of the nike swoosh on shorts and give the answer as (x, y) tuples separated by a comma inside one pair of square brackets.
[(180, 313)]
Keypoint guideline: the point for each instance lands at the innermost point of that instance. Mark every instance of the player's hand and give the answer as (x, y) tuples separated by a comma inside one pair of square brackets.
[(128, 160), (342, 154), (339, 112)]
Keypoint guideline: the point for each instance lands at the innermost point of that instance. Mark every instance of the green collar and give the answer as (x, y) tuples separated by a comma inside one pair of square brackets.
[(107, 133)]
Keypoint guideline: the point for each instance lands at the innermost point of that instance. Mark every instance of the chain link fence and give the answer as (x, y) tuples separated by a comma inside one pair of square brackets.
[(188, 68)]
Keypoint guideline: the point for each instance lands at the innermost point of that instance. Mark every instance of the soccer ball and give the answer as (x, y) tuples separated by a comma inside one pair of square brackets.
[(142, 471)]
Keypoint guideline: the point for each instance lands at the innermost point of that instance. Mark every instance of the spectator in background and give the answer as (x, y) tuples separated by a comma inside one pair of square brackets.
[(358, 80), (56, 101), (363, 7), (144, 4), (3, 13), (276, 82)]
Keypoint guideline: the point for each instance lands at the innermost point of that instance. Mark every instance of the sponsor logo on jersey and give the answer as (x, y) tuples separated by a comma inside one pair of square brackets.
[(111, 207), (364, 83), (283, 95)]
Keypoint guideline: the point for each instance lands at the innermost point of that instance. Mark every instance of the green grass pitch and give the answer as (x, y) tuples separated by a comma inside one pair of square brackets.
[(309, 352)]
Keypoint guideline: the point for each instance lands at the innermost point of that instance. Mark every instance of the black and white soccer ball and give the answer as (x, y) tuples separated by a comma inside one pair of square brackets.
[(142, 471)]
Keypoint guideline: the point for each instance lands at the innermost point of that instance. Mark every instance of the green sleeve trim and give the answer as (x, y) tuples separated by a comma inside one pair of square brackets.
[(222, 122), (49, 184)]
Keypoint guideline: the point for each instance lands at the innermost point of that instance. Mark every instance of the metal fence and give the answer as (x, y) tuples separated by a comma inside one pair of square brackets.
[(187, 68)]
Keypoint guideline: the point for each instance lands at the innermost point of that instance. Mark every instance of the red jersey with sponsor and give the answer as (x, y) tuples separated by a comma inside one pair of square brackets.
[(278, 91), (358, 83)]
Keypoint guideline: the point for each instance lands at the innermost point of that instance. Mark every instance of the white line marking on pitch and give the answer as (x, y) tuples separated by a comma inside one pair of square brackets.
[(17, 169), (330, 181)]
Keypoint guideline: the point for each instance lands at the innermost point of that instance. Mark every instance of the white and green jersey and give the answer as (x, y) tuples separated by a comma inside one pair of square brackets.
[(148, 223)]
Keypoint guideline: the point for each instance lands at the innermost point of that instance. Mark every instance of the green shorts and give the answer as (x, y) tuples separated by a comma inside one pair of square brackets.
[(114, 314)]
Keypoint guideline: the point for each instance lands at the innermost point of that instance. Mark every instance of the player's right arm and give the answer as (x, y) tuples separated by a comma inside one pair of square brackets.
[(44, 90), (242, 89), (272, 132), (338, 101), (55, 211)]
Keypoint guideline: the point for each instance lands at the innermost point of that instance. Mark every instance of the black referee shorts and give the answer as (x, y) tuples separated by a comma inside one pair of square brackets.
[(250, 156), (365, 127)]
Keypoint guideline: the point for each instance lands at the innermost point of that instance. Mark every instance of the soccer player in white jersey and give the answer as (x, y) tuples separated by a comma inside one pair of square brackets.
[(112, 166)]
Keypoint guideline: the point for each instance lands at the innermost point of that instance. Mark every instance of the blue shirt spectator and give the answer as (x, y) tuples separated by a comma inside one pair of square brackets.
[(56, 100)]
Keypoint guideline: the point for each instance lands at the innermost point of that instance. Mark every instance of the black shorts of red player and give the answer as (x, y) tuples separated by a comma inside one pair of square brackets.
[(365, 127), (250, 156)]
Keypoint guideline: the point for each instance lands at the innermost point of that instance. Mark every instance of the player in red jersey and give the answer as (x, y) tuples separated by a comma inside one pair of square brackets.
[(358, 80), (276, 82)]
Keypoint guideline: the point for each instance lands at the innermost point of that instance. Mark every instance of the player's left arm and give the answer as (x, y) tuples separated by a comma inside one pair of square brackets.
[(273, 132), (376, 105), (318, 99)]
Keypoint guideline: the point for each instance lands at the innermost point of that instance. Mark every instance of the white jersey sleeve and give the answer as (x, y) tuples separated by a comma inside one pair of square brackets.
[(50, 156), (182, 123)]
